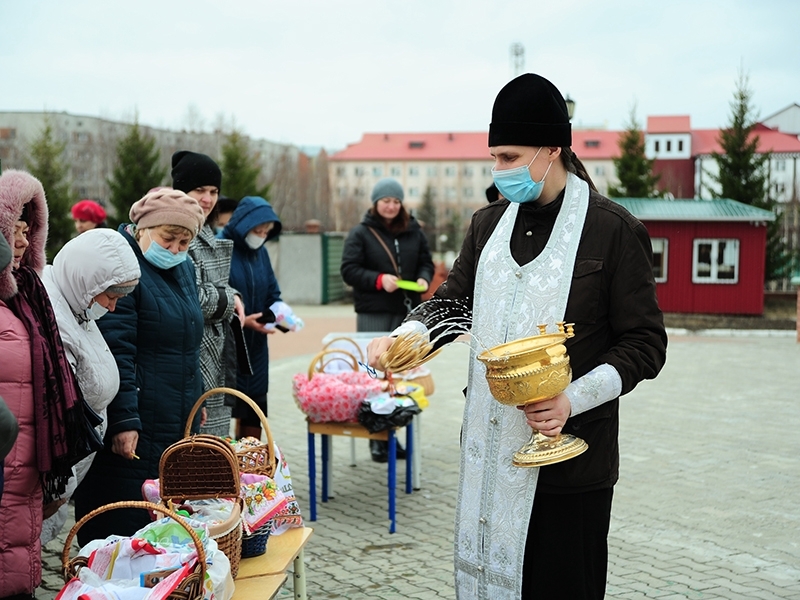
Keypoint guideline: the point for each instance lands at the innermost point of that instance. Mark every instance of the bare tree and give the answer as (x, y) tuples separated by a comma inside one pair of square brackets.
[(193, 120)]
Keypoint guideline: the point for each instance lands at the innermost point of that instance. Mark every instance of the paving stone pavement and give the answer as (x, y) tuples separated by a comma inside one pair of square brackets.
[(706, 507)]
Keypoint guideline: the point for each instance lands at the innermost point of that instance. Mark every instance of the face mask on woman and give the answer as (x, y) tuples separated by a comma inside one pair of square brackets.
[(95, 311), (517, 185), (160, 257), (254, 241)]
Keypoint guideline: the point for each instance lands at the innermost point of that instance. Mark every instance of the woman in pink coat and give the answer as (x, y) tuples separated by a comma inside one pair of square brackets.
[(36, 383)]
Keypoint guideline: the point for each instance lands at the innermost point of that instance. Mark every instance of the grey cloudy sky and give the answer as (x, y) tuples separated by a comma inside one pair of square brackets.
[(322, 72)]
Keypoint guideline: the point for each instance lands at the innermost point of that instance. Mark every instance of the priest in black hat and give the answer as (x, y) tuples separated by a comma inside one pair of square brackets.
[(550, 249)]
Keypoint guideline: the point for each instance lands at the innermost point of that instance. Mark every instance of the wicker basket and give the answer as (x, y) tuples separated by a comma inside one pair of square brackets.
[(326, 357), (202, 467), (191, 588), (357, 349), (255, 544), (426, 381), (339, 407), (260, 460)]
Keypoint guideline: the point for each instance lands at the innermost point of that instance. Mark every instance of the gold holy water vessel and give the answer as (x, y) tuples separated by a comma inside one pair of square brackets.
[(530, 370)]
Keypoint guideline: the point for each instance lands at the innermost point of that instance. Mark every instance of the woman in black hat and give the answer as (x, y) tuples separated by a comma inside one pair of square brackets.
[(551, 249)]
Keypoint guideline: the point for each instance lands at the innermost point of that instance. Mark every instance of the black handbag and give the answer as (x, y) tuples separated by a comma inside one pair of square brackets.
[(92, 420)]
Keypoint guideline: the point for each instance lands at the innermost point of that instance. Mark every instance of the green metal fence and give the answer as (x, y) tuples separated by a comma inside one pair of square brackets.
[(332, 283)]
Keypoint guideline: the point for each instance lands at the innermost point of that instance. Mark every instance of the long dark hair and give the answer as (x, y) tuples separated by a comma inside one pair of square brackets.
[(398, 225), (574, 165)]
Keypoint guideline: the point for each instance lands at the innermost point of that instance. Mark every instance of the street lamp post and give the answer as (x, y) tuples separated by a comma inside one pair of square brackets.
[(570, 107)]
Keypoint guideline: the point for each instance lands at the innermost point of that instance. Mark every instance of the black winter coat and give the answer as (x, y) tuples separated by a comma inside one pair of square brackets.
[(363, 259), (612, 302)]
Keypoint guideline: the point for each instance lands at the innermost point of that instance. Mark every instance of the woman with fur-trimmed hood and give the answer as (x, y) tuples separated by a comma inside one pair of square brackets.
[(37, 384)]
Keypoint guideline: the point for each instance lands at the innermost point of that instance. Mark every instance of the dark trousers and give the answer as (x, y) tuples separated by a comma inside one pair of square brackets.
[(566, 554), (380, 322), (246, 414)]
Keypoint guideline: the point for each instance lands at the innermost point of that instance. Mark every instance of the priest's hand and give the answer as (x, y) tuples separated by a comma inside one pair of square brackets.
[(375, 348), (548, 416)]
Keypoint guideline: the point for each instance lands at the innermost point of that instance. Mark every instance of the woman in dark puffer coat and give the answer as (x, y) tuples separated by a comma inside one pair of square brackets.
[(387, 246), (154, 334), (252, 224)]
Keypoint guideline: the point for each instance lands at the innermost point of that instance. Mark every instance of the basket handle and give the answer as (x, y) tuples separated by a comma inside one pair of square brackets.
[(201, 553), (358, 351), (318, 359), (241, 396)]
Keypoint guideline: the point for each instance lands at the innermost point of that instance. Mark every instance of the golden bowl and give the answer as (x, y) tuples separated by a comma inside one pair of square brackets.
[(528, 370)]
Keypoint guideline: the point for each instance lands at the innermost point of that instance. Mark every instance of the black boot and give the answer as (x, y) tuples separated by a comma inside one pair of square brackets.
[(380, 451)]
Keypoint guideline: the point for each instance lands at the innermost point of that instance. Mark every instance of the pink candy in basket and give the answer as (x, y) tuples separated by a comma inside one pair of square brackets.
[(334, 397)]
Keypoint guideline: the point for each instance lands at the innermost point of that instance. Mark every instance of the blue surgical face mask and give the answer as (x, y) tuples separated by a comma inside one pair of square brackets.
[(516, 185), (95, 311), (160, 257)]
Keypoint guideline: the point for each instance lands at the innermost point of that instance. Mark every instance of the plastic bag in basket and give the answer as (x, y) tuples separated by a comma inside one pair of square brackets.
[(90, 586), (159, 545), (333, 397)]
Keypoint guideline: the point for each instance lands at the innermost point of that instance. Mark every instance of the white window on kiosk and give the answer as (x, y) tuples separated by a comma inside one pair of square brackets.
[(715, 261)]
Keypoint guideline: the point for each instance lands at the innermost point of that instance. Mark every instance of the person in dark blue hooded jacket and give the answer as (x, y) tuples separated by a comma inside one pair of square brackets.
[(251, 225)]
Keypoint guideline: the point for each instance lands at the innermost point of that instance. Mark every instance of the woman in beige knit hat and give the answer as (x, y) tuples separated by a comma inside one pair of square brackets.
[(154, 334)]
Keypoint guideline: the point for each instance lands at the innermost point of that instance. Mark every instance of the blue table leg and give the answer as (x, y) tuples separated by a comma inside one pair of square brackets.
[(409, 455), (392, 480), (325, 472), (312, 476)]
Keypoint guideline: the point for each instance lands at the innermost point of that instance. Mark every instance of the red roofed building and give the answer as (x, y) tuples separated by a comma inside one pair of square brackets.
[(457, 166)]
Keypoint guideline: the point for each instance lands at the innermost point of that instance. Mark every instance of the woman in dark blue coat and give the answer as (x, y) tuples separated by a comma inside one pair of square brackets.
[(251, 225), (154, 334)]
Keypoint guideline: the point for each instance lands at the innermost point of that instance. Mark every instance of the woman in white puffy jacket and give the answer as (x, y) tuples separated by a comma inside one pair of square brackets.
[(87, 277)]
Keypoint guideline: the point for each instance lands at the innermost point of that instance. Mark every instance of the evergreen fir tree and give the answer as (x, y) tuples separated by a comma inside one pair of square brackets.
[(743, 175), (455, 232), (47, 165), (240, 170), (634, 169), (136, 172), (427, 214)]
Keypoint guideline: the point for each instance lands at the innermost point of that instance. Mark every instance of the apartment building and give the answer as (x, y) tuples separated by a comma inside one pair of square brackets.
[(455, 167), (91, 143)]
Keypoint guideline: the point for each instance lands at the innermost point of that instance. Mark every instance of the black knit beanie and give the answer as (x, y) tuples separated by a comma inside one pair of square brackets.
[(191, 170), (530, 111)]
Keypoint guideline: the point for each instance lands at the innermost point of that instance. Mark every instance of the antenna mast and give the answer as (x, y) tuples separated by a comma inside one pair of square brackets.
[(517, 58)]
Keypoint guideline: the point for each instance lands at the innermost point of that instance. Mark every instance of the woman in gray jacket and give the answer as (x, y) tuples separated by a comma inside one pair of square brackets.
[(200, 178)]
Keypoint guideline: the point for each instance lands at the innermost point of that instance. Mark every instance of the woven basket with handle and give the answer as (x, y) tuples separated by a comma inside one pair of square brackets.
[(201, 467), (260, 460), (326, 357), (426, 381), (191, 588), (356, 348)]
